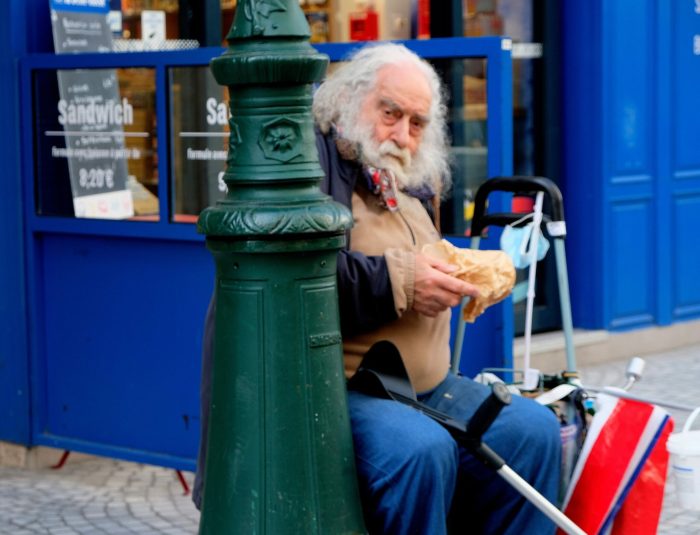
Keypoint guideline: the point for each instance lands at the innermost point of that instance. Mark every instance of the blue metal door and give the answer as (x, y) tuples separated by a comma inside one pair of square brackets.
[(632, 180)]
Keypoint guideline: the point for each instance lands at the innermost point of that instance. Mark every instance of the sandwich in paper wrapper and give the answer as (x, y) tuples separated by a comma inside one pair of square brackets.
[(492, 272)]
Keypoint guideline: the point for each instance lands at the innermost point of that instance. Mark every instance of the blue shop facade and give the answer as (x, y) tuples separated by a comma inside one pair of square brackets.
[(101, 316)]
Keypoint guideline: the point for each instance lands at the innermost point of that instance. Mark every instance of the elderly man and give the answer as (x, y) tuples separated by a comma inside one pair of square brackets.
[(382, 143)]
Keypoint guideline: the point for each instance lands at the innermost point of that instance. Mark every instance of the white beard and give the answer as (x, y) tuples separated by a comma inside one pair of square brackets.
[(409, 170), (387, 156)]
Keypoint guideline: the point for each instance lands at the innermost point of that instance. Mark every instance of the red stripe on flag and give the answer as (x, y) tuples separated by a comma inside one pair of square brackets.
[(606, 464), (642, 508)]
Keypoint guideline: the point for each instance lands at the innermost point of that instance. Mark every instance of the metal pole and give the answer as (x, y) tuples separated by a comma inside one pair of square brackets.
[(539, 501)]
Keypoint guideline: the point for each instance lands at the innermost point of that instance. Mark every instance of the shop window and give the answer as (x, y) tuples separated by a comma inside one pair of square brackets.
[(132, 17), (513, 18), (139, 25), (468, 127), (354, 20), (319, 15), (228, 10), (199, 140), (95, 143)]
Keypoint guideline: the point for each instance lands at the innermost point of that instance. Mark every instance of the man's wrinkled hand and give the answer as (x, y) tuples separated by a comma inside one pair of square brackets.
[(435, 290)]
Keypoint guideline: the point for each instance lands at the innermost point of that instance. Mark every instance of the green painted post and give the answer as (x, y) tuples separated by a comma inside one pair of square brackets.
[(280, 458)]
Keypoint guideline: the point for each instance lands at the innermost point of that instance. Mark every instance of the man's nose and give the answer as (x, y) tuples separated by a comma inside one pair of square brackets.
[(400, 132)]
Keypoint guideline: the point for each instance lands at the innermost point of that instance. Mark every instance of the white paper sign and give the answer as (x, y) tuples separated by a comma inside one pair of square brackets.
[(152, 26)]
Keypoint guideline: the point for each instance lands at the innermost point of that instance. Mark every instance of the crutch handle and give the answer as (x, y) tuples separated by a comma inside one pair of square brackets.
[(486, 412)]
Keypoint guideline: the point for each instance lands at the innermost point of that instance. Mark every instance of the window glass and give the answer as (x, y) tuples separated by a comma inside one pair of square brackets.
[(515, 19), (132, 19), (228, 12), (96, 144), (466, 86), (199, 140), (333, 21)]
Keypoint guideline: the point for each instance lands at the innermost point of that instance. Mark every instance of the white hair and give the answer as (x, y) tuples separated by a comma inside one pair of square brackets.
[(338, 101)]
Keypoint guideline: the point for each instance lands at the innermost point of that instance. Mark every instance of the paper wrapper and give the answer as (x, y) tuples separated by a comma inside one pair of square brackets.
[(492, 272)]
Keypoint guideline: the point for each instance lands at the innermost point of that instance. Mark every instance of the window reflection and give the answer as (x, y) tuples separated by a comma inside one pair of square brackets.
[(199, 140), (466, 83), (95, 143)]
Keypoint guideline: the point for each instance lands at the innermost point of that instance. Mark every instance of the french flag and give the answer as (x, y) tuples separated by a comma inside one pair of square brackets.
[(617, 486)]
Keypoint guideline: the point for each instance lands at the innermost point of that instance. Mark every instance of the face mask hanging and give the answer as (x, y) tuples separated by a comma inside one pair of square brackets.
[(517, 243)]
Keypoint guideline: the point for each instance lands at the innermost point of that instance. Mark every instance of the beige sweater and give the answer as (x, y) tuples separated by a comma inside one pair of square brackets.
[(422, 341)]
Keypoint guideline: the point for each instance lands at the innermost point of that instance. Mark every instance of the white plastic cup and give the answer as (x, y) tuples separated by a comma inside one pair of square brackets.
[(684, 448)]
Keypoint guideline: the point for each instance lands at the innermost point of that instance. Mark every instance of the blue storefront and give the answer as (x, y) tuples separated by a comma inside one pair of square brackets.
[(100, 320), (632, 164)]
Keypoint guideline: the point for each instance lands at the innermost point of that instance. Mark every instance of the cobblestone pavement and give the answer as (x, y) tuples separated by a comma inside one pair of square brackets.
[(91, 495)]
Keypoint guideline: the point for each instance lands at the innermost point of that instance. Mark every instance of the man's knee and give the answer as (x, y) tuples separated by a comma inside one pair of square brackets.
[(529, 440), (536, 424)]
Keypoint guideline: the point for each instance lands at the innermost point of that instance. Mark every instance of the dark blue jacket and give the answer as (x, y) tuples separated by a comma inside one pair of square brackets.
[(364, 290)]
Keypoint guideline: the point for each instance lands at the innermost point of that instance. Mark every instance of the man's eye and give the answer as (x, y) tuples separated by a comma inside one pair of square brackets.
[(389, 115), (417, 126)]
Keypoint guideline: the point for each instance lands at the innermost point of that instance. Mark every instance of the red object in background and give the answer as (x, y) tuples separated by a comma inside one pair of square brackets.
[(522, 204), (364, 26)]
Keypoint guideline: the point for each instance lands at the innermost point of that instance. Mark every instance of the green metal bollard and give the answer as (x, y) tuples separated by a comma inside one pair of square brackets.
[(280, 458)]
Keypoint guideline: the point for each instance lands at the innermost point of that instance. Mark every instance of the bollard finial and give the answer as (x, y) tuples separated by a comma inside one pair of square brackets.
[(268, 18)]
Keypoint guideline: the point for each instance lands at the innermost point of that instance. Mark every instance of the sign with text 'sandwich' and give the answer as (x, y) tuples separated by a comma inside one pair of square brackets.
[(91, 116)]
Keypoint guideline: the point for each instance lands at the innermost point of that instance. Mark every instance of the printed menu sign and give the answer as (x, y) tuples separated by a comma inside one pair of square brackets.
[(199, 139), (80, 26), (91, 115)]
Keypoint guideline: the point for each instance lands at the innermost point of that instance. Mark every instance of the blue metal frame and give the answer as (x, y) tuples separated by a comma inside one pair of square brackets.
[(14, 366), (45, 236)]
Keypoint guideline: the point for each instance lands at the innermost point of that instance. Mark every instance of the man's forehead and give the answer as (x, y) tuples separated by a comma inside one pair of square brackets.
[(394, 106), (405, 86)]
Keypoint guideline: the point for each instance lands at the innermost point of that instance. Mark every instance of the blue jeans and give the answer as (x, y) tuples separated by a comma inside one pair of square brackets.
[(414, 478)]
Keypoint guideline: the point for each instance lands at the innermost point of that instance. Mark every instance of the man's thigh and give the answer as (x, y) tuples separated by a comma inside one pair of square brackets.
[(407, 467), (389, 435)]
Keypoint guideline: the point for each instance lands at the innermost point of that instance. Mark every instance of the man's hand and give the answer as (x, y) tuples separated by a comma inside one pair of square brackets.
[(435, 290)]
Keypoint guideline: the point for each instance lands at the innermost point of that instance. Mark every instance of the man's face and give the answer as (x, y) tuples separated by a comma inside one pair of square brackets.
[(398, 107)]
